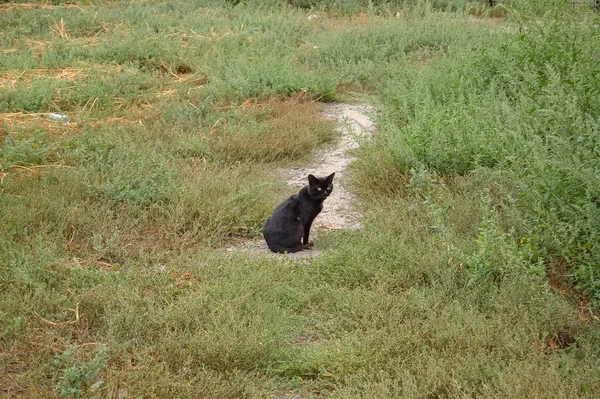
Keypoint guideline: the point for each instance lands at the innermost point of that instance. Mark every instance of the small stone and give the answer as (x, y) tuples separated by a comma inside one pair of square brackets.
[(97, 385)]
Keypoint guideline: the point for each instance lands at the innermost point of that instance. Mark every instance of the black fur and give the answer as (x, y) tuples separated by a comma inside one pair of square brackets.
[(288, 228)]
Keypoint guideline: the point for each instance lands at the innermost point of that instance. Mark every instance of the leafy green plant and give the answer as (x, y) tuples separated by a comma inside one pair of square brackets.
[(76, 377), (468, 112), (25, 151)]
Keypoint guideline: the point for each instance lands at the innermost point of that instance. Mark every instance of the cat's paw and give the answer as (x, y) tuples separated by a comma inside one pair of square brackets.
[(311, 243)]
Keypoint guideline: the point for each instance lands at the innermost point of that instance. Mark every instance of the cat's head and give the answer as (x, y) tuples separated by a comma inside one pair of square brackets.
[(320, 187)]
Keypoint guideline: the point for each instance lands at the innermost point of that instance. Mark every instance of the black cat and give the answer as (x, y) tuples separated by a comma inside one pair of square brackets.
[(288, 228)]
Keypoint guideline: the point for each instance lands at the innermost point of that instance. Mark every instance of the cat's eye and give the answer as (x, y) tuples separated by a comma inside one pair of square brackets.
[(319, 189), (329, 188)]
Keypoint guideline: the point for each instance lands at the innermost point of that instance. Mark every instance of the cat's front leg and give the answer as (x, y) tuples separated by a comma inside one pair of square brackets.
[(305, 239)]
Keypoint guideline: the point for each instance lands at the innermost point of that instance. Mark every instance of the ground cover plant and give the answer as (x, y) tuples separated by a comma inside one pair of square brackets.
[(475, 274)]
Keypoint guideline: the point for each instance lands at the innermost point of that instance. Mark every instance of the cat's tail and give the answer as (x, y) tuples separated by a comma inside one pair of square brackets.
[(281, 249)]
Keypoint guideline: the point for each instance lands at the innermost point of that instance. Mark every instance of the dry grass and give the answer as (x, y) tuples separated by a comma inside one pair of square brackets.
[(37, 47), (287, 129), (178, 79), (11, 78), (32, 6), (60, 29), (27, 121), (181, 78)]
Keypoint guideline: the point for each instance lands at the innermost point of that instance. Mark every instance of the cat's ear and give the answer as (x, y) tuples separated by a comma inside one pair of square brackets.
[(313, 181), (330, 177)]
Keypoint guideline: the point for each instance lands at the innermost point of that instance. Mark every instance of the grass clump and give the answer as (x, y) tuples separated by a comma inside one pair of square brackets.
[(468, 113), (288, 129), (26, 151)]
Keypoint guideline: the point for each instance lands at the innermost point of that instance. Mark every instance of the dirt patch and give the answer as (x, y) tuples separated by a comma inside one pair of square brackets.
[(561, 340), (558, 274), (355, 124)]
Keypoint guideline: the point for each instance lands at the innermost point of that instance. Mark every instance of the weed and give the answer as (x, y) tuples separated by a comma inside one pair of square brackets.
[(76, 379), (26, 151), (461, 121)]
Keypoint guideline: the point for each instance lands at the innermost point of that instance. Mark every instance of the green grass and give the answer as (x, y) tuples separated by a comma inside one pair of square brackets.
[(475, 275)]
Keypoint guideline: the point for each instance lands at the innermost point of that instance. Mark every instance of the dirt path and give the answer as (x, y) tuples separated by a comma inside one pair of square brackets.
[(355, 123)]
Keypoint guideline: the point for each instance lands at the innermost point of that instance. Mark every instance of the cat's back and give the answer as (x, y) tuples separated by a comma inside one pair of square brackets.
[(287, 207), (285, 213)]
